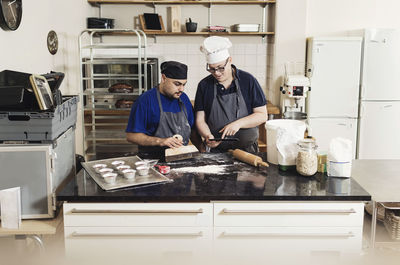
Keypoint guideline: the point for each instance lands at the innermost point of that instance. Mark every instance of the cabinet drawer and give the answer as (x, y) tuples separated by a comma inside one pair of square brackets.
[(137, 243), (295, 239), (138, 214), (288, 214)]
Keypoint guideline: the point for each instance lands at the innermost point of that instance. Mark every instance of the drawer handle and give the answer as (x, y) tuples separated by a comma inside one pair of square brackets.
[(227, 211), (88, 211), (295, 235), (194, 234)]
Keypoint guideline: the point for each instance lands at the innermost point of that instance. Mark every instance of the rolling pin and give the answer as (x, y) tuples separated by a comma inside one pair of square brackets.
[(248, 158)]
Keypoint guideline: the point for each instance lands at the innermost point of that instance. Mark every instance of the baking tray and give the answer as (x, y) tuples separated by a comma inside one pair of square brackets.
[(121, 182)]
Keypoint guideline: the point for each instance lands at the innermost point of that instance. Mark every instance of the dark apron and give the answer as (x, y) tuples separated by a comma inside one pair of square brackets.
[(226, 109), (170, 124)]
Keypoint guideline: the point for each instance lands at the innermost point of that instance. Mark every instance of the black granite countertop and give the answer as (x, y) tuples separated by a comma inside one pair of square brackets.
[(226, 180)]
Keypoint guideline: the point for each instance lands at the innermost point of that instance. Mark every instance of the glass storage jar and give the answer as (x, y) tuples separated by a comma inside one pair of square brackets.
[(307, 158)]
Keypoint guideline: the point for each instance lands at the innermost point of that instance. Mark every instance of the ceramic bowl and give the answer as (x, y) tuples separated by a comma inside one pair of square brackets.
[(143, 170), (117, 163), (129, 173), (105, 170), (110, 177), (123, 167), (97, 167)]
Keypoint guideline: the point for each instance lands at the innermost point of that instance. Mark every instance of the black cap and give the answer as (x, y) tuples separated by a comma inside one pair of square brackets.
[(174, 70)]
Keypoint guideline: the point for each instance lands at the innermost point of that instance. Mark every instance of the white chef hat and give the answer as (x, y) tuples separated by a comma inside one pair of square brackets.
[(216, 49)]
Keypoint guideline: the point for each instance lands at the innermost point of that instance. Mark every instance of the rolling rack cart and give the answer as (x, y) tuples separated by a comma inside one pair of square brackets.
[(113, 76)]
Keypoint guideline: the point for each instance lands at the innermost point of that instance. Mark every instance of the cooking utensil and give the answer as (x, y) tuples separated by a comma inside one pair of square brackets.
[(225, 139), (248, 158)]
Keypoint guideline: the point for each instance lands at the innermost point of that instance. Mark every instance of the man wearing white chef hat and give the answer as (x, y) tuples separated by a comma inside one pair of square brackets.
[(229, 102)]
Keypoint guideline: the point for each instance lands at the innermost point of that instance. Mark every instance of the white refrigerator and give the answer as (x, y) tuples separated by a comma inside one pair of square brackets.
[(379, 124), (332, 103)]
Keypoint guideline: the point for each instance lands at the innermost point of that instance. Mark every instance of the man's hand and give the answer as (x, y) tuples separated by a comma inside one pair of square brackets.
[(211, 144), (230, 129), (171, 142)]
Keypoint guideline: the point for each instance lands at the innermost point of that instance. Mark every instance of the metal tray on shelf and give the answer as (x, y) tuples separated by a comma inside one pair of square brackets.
[(152, 178)]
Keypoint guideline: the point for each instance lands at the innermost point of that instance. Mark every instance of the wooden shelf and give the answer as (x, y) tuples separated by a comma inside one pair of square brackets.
[(200, 2), (108, 112), (272, 109)]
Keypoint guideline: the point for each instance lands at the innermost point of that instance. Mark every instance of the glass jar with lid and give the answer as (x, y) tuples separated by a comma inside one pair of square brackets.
[(307, 157)]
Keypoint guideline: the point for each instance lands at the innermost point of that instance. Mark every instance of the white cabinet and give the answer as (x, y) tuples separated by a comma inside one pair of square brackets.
[(148, 231), (198, 229), (298, 226), (138, 214), (295, 214), (276, 239)]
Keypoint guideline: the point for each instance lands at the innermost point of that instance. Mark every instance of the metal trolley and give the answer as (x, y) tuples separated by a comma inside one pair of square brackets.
[(104, 63)]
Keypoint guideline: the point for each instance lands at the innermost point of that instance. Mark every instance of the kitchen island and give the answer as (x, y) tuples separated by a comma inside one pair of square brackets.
[(217, 204)]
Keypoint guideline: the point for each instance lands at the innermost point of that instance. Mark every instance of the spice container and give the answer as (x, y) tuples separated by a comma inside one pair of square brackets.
[(307, 158)]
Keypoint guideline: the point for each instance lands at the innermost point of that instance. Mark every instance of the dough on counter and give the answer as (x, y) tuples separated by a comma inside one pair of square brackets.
[(178, 136)]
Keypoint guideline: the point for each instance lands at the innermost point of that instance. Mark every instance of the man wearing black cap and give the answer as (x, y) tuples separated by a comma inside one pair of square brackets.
[(161, 113)]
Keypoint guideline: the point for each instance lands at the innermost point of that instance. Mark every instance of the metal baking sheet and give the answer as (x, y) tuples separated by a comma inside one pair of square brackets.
[(121, 182)]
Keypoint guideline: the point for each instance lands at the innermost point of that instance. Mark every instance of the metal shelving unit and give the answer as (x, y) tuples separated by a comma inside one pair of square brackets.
[(105, 64)]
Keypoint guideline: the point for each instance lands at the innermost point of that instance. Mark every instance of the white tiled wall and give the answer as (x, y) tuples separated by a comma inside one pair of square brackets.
[(248, 57)]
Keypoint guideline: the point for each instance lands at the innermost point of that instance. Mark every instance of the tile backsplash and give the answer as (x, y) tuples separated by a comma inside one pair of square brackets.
[(248, 57)]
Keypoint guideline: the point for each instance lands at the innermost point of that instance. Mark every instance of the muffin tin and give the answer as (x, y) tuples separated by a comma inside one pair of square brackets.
[(152, 177)]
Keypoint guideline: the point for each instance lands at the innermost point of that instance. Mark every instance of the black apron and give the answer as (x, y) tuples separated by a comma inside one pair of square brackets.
[(170, 124), (226, 109)]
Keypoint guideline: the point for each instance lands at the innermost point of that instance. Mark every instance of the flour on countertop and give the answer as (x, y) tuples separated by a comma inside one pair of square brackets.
[(212, 169)]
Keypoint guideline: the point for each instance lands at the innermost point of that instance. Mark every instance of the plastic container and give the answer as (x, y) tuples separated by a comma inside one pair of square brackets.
[(97, 167), (307, 158), (141, 163), (122, 167), (38, 125), (105, 170), (339, 158), (143, 170), (272, 127), (338, 169), (117, 163), (110, 178), (129, 173)]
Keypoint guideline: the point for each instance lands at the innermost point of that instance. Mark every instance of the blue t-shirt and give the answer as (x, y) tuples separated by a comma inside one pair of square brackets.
[(249, 86), (145, 112)]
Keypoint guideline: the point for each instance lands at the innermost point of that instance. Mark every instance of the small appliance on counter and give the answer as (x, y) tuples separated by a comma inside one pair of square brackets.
[(100, 23), (294, 90)]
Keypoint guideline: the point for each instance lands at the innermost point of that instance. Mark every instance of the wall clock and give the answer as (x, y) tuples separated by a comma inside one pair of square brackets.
[(52, 42), (10, 14)]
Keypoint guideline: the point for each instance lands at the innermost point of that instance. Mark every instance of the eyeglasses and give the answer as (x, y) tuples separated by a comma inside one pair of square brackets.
[(220, 69)]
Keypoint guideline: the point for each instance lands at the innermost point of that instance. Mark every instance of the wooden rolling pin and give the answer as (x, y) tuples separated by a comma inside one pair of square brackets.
[(248, 158)]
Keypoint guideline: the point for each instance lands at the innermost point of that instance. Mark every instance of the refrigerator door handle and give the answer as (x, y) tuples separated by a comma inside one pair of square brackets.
[(361, 110), (362, 89)]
